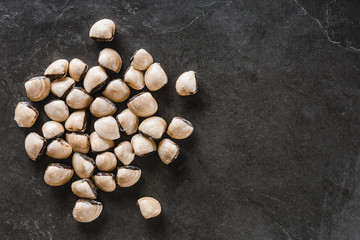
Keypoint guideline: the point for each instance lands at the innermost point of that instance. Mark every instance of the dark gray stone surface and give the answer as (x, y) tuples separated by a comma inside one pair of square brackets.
[(275, 152)]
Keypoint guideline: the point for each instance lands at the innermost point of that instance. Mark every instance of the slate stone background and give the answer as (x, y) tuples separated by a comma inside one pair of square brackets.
[(275, 152)]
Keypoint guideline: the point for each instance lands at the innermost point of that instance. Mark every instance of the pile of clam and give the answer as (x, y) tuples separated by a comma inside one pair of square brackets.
[(65, 133)]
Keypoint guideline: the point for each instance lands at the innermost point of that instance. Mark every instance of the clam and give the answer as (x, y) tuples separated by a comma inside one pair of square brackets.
[(153, 127), (84, 188), (37, 88), (52, 129), (142, 145), (107, 128), (77, 121), (102, 107), (87, 210), (58, 149), (103, 30), (110, 59), (134, 78), (25, 114), (128, 121), (35, 145), (149, 207), (105, 181), (168, 151), (106, 161), (124, 152), (180, 128), (127, 176), (155, 77), (78, 98), (83, 165), (61, 87), (57, 110), (186, 84), (143, 104), (78, 141), (95, 79), (99, 144), (141, 60), (77, 69), (57, 174), (57, 69), (116, 91)]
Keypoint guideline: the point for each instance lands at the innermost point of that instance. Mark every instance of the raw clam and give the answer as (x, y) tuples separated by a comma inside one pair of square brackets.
[(57, 174), (83, 165), (149, 207), (105, 181), (37, 88), (52, 129), (77, 69), (61, 87), (84, 188), (134, 78), (141, 60), (127, 176), (106, 161), (58, 149), (155, 77), (87, 210), (57, 110), (77, 121), (124, 152), (142, 145), (107, 128), (143, 104), (95, 79), (99, 144), (168, 151), (35, 145), (57, 69), (186, 84), (102, 107), (78, 98), (103, 30), (116, 91), (180, 128), (110, 59), (128, 121), (153, 127), (78, 141), (25, 114)]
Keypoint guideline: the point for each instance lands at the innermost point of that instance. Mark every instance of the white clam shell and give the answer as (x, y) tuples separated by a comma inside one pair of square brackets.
[(149, 207), (180, 128), (107, 128), (124, 152), (103, 30), (34, 145), (143, 104), (127, 176), (37, 88), (105, 181), (142, 145), (134, 78), (155, 77), (128, 121), (110, 59), (57, 174), (116, 91), (58, 149), (83, 165), (25, 114), (77, 69), (86, 210), (61, 87), (186, 84), (141, 60), (52, 129), (57, 110)]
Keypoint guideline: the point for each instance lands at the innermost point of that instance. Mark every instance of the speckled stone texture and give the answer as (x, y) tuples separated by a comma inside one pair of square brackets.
[(275, 152)]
